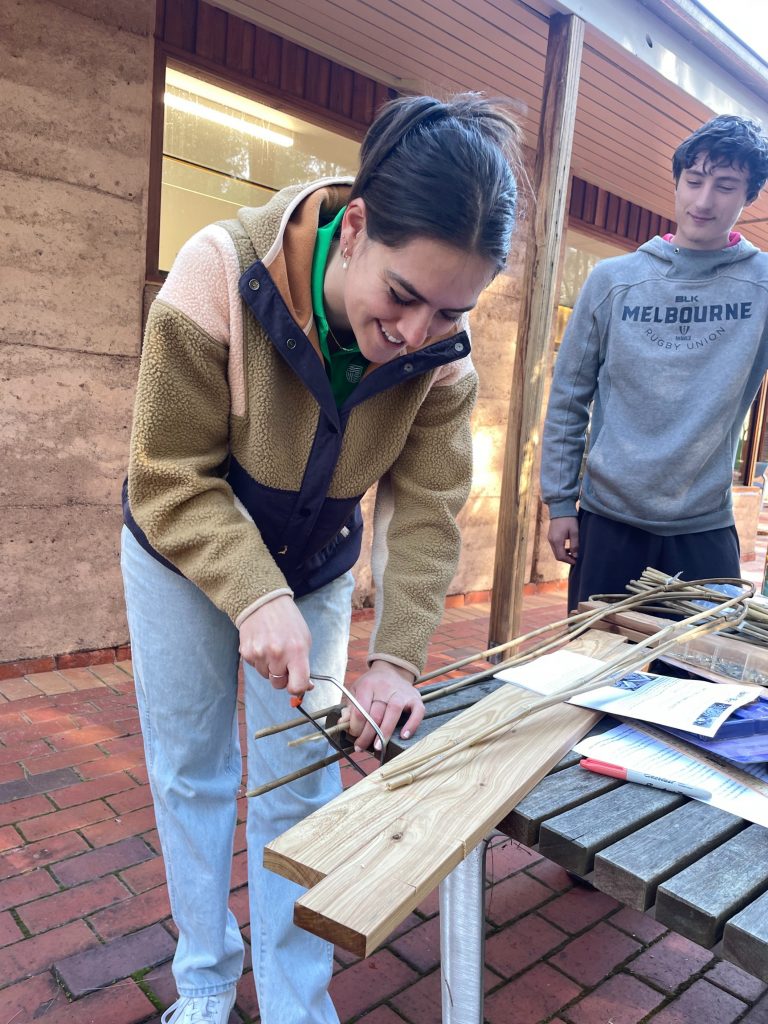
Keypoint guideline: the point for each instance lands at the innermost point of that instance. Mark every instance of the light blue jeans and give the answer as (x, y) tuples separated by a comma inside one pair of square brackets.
[(185, 663)]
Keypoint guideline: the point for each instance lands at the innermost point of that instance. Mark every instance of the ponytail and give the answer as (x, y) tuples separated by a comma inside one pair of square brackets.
[(445, 171)]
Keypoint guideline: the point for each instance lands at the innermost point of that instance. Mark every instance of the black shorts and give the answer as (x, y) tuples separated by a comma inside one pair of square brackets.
[(612, 553)]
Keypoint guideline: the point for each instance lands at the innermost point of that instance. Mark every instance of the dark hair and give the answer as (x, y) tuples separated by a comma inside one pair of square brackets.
[(441, 170), (727, 141)]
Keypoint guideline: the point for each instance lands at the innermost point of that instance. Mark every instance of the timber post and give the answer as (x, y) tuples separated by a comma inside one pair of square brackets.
[(534, 345)]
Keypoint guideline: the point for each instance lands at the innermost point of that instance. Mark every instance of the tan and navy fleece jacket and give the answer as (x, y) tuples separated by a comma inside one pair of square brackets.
[(243, 474)]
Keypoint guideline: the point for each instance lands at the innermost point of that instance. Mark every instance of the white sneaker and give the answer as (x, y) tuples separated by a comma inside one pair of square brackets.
[(201, 1009)]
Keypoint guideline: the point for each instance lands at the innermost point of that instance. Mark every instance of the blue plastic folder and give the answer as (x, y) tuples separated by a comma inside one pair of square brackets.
[(742, 738)]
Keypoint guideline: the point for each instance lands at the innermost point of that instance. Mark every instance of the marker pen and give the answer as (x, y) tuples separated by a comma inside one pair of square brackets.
[(644, 778)]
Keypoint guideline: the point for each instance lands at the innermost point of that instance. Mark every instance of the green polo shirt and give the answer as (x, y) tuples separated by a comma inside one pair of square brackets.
[(344, 369)]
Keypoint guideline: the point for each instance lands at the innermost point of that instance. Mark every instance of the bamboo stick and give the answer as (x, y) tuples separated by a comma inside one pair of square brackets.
[(293, 723), (669, 591), (403, 774), (285, 779), (571, 626)]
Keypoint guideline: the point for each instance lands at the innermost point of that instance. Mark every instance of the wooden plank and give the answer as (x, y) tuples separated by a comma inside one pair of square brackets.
[(359, 905), (451, 704), (380, 851), (572, 839), (591, 644), (180, 23), (601, 208), (698, 901), (368, 891), (382, 94), (267, 57), (534, 340), (612, 214), (576, 205), (745, 938), (332, 835), (568, 761), (340, 98), (240, 40), (318, 84), (555, 794), (363, 98), (590, 203), (211, 36), (293, 69), (644, 225), (633, 220), (632, 869)]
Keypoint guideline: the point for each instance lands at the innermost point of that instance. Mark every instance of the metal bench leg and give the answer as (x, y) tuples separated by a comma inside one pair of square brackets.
[(462, 939)]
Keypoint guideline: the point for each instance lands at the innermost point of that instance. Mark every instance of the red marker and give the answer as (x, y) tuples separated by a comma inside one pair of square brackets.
[(644, 778)]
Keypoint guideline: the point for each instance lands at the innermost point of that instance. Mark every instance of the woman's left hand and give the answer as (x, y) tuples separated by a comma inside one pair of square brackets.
[(385, 691)]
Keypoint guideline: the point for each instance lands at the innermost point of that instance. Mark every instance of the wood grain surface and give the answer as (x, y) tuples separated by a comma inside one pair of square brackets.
[(373, 854)]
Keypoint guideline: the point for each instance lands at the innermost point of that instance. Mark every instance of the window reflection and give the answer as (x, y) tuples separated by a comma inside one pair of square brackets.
[(222, 150)]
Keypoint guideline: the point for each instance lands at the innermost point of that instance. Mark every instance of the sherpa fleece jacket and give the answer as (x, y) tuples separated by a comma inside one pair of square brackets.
[(671, 344), (246, 478)]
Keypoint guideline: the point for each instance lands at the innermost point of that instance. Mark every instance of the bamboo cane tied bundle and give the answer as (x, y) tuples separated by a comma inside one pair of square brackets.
[(669, 592), (709, 620)]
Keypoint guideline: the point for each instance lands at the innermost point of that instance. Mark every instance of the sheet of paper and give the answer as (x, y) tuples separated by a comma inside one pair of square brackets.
[(693, 705), (625, 746), (552, 672)]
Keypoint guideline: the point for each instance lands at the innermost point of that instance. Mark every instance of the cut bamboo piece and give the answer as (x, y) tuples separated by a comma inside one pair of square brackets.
[(373, 855)]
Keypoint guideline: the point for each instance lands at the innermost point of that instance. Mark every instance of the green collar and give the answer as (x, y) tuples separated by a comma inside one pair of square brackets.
[(344, 367)]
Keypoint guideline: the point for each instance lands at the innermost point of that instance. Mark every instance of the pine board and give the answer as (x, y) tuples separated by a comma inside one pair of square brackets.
[(373, 854)]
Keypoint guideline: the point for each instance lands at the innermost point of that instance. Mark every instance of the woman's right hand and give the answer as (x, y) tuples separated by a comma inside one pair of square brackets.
[(276, 640)]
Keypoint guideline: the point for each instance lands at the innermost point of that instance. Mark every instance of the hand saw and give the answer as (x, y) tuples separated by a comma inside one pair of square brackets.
[(296, 703)]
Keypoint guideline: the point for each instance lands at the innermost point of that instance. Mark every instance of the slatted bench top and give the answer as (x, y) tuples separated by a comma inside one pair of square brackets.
[(698, 870)]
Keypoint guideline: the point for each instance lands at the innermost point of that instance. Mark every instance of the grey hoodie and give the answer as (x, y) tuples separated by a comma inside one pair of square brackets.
[(671, 344)]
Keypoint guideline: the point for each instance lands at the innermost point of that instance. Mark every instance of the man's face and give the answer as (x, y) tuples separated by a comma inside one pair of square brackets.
[(708, 202)]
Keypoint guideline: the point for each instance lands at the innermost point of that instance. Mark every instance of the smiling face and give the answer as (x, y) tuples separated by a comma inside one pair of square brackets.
[(396, 300), (708, 202)]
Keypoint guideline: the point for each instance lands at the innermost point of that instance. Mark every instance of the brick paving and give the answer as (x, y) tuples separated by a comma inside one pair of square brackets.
[(85, 931)]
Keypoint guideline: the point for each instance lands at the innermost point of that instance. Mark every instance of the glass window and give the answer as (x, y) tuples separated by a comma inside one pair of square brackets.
[(222, 150), (582, 252)]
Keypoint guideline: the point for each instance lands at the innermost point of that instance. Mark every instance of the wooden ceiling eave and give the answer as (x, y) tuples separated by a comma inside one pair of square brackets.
[(406, 44), (629, 118)]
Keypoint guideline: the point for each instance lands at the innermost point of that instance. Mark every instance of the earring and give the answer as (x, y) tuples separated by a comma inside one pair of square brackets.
[(345, 258)]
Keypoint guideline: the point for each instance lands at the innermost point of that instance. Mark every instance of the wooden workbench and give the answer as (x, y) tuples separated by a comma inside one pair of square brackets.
[(698, 870)]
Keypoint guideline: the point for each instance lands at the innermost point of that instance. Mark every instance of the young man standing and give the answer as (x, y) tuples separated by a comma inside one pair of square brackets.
[(668, 345)]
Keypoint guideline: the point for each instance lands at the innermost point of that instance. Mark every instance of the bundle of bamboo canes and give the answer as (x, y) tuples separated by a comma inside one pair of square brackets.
[(372, 854), (753, 629), (671, 594), (721, 612)]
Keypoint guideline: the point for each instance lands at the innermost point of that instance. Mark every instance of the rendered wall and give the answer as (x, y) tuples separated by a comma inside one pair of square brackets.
[(75, 78)]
